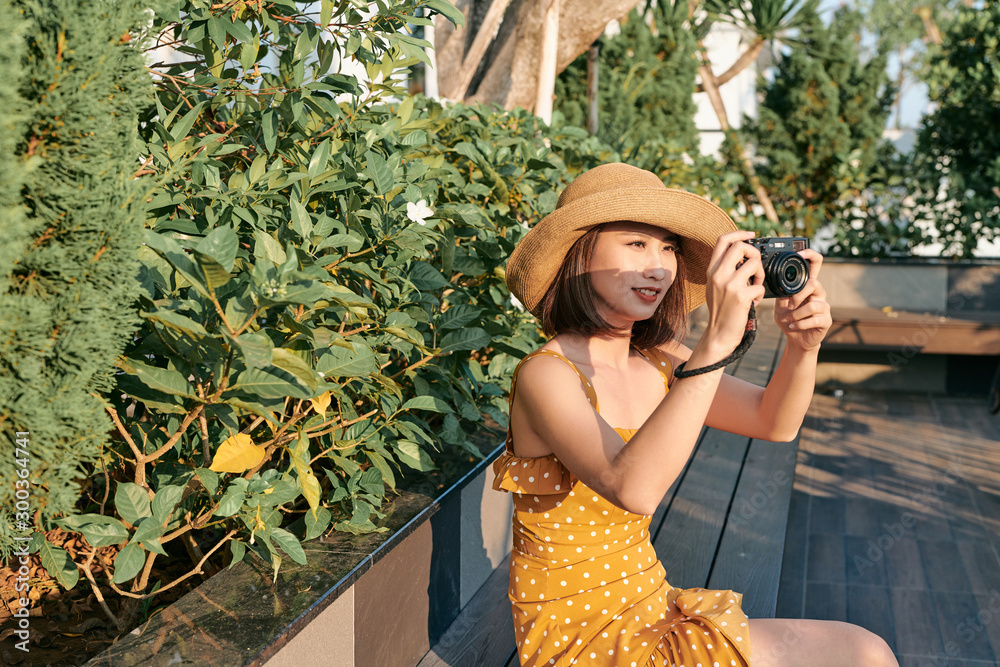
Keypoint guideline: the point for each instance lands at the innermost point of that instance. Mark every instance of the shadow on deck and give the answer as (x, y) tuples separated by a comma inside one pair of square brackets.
[(895, 524)]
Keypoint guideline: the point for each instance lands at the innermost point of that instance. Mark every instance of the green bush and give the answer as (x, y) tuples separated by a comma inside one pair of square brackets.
[(957, 162), (321, 288)]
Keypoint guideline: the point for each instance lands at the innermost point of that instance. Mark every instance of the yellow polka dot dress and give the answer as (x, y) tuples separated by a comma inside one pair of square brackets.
[(587, 588)]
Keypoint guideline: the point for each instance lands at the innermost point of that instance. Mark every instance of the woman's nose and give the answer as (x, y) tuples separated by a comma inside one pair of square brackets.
[(655, 268)]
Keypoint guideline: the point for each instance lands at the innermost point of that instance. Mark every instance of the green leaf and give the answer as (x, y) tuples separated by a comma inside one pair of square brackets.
[(272, 382), (289, 544), (209, 479), (360, 521), (465, 339), (256, 348), (458, 316), (100, 530), (325, 13), (301, 222), (215, 274), (429, 403), (293, 363), (412, 455), (238, 549), (317, 163), (58, 564), (449, 10), (148, 532), (268, 247), (380, 172), (383, 467), (171, 251), (425, 277), (166, 500), (183, 126), (161, 379), (270, 128), (221, 244), (128, 563), (132, 502), (174, 320), (248, 52), (337, 362), (239, 30), (315, 526), (231, 501)]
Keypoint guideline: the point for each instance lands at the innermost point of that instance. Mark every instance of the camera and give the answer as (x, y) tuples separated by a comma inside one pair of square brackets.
[(785, 272)]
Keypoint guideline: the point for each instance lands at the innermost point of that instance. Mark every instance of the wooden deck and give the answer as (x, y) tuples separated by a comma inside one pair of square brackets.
[(895, 524)]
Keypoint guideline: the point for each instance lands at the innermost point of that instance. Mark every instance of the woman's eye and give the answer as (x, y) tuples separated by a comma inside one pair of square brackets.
[(669, 247), (638, 244)]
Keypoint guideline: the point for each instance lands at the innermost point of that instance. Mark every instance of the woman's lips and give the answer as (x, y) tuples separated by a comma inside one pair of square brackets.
[(647, 294)]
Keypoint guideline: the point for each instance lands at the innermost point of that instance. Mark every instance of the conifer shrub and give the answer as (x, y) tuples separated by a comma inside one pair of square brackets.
[(818, 133), (71, 230)]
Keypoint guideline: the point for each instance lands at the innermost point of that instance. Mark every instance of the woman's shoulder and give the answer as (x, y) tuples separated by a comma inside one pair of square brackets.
[(550, 362)]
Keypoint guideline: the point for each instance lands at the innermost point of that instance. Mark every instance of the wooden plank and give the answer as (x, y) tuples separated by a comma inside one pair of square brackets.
[(750, 550), (687, 542), (930, 333), (483, 634)]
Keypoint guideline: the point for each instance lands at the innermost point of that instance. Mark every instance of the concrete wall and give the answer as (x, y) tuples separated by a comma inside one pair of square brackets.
[(398, 609), (940, 289)]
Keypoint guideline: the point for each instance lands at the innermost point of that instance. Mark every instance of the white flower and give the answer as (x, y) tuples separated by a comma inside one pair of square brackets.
[(516, 303), (419, 212)]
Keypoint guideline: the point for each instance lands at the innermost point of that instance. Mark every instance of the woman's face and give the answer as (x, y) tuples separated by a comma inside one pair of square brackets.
[(632, 267)]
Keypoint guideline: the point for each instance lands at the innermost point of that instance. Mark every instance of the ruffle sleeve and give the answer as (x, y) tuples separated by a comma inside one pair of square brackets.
[(544, 475)]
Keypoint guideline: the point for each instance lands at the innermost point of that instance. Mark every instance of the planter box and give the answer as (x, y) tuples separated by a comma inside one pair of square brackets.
[(912, 324), (381, 599)]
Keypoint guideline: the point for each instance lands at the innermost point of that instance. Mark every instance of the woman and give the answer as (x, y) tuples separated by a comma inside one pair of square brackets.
[(600, 427)]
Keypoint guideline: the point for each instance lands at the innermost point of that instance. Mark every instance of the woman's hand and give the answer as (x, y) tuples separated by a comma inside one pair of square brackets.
[(735, 281), (805, 317)]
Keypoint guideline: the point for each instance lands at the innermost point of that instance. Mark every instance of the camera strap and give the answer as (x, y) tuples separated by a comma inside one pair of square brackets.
[(748, 338)]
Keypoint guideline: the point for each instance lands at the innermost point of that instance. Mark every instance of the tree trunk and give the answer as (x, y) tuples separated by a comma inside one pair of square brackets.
[(593, 60), (470, 63), (510, 77), (547, 62), (710, 85)]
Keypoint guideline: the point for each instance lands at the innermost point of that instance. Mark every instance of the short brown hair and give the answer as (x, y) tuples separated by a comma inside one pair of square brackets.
[(570, 304)]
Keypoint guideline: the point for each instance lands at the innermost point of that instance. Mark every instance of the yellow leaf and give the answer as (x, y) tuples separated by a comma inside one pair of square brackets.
[(237, 453), (310, 489), (321, 403), (307, 480)]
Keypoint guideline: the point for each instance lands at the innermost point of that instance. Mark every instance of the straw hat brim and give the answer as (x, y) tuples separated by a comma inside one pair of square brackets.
[(536, 260)]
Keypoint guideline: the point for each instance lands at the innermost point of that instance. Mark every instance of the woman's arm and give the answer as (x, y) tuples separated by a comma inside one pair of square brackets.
[(776, 412)]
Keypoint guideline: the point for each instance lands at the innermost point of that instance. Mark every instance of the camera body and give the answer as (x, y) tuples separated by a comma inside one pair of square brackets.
[(785, 271)]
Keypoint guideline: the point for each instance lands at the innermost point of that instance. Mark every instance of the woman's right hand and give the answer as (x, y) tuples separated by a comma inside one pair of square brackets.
[(735, 281)]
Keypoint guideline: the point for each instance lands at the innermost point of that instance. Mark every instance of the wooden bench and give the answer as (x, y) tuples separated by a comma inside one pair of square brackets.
[(721, 525), (886, 329)]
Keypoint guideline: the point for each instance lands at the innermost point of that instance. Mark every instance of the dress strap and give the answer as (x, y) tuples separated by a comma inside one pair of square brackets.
[(588, 388), (662, 363)]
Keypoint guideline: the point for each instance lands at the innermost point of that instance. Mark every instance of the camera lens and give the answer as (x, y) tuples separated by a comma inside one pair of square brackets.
[(786, 274)]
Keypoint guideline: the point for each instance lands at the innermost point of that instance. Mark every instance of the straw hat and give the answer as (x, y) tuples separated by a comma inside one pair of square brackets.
[(612, 193)]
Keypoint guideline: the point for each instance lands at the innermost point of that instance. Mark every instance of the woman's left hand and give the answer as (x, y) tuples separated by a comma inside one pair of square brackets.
[(805, 317)]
